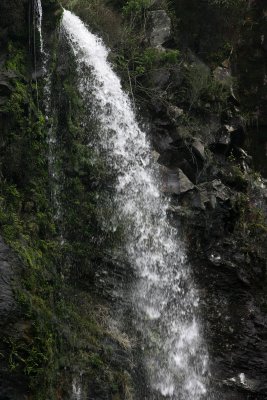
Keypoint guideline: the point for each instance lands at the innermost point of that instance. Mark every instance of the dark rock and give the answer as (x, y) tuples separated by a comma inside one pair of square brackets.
[(12, 19), (194, 59), (160, 28), (207, 195), (5, 83), (157, 105), (198, 148), (238, 136), (175, 112), (177, 76), (160, 78), (161, 139), (223, 75), (188, 156), (223, 135), (175, 182)]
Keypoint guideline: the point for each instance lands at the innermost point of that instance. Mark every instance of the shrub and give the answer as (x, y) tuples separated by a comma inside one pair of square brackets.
[(135, 6)]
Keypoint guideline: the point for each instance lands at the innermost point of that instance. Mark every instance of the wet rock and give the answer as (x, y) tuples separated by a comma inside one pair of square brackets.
[(175, 182), (207, 195), (177, 158), (160, 28), (196, 200), (189, 156), (221, 191), (161, 139), (243, 382), (182, 211), (198, 148)]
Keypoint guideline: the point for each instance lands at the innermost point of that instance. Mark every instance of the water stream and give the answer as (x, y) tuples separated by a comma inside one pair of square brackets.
[(49, 111), (164, 300), (39, 20)]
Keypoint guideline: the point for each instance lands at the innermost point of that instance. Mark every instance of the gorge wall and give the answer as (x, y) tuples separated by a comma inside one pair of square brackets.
[(196, 73)]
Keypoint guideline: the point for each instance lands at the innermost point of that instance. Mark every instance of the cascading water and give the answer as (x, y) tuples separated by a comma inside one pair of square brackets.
[(39, 19), (48, 110), (163, 297)]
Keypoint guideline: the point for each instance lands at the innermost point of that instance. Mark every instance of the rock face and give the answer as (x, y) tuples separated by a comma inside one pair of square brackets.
[(12, 386), (160, 27), (217, 201), (233, 277)]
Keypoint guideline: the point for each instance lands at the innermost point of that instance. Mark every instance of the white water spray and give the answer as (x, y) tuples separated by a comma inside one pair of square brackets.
[(39, 19), (164, 299)]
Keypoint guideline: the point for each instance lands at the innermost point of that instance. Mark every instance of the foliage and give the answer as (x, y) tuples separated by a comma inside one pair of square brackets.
[(252, 220), (151, 58), (100, 17), (135, 7), (200, 87), (56, 329)]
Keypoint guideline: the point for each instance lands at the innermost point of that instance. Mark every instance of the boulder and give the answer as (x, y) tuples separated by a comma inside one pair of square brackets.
[(175, 112), (161, 139), (175, 182), (223, 136), (214, 190), (223, 75), (160, 28), (188, 156), (207, 195), (198, 148)]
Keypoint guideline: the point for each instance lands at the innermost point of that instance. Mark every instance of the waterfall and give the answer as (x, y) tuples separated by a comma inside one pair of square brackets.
[(164, 300), (39, 19), (54, 174)]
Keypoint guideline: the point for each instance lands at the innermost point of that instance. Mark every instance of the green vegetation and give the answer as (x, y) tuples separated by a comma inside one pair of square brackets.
[(135, 7), (62, 323), (200, 88)]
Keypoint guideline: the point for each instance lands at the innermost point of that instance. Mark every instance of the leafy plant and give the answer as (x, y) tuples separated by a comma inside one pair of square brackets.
[(135, 6), (200, 87)]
